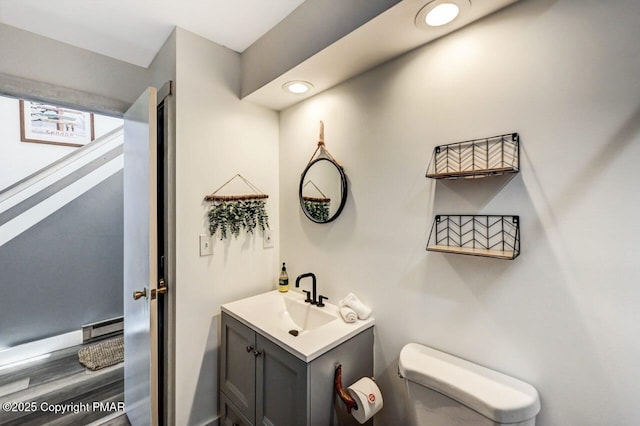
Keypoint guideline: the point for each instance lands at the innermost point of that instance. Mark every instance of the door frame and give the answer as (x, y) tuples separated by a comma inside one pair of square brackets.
[(167, 315), (20, 87)]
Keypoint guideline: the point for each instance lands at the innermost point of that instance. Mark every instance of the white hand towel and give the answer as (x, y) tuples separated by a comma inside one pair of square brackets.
[(348, 314), (354, 303)]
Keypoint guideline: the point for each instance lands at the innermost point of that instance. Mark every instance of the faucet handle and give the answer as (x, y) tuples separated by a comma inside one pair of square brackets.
[(320, 303), (308, 299)]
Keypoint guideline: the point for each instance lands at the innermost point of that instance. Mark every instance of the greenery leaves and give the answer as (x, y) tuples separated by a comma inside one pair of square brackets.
[(319, 210), (230, 217)]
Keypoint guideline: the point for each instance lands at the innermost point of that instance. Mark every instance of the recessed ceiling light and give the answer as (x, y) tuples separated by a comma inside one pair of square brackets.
[(440, 12), (297, 87)]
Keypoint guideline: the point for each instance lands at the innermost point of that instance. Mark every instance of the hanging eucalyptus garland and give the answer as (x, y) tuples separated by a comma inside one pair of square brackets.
[(230, 217), (319, 210)]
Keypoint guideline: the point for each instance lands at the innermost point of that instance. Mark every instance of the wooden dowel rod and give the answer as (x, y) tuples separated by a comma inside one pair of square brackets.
[(316, 199), (235, 197)]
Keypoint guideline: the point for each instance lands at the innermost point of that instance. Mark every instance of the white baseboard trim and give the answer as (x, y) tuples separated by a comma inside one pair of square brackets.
[(107, 418), (60, 169), (39, 347), (55, 202), (13, 387), (212, 422)]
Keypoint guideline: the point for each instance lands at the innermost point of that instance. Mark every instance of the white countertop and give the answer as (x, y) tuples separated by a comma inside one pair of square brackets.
[(273, 314)]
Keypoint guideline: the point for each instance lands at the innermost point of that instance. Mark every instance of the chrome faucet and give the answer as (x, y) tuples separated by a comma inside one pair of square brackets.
[(313, 301)]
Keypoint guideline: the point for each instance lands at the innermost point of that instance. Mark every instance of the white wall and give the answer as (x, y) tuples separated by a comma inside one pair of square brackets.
[(564, 315), (20, 159), (217, 136)]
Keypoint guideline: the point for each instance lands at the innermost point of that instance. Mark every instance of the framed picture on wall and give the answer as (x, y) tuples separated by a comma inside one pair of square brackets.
[(42, 122)]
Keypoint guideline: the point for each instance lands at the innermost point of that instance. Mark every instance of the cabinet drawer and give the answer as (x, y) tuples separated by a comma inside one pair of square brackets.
[(230, 415)]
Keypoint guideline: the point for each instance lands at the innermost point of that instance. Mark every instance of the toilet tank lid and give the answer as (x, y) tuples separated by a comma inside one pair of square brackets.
[(499, 397)]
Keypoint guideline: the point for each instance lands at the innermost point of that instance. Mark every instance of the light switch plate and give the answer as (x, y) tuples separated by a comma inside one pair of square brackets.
[(267, 242), (206, 245)]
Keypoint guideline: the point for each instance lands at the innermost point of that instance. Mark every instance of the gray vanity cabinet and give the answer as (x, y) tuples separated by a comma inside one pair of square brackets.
[(261, 383)]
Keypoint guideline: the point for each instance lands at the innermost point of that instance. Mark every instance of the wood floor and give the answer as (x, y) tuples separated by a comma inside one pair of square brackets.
[(30, 394)]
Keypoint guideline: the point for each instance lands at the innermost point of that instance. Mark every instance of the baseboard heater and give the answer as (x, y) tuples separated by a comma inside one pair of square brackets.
[(102, 329)]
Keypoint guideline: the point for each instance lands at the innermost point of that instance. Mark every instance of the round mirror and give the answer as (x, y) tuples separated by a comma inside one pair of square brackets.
[(323, 190)]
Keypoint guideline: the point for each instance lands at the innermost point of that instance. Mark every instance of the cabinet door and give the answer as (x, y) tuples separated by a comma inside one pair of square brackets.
[(230, 415), (238, 365), (281, 386)]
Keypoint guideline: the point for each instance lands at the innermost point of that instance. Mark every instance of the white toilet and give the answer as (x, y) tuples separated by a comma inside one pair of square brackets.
[(445, 390)]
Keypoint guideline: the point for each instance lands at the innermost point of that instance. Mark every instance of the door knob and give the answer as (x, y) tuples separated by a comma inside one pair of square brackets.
[(138, 294)]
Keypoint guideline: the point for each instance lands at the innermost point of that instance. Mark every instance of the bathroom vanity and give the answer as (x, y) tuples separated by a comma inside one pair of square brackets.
[(278, 359)]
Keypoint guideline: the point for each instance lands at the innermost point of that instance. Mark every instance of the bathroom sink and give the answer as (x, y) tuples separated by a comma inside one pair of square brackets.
[(285, 313), (303, 329), (302, 316)]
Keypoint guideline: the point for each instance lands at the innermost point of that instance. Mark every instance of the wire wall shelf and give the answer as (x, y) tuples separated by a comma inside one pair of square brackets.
[(476, 158), (477, 235)]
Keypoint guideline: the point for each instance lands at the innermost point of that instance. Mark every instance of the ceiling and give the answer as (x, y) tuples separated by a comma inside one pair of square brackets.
[(329, 34), (361, 49), (134, 30)]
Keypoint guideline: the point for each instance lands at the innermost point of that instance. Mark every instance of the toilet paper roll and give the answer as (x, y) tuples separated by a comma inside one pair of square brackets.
[(368, 397)]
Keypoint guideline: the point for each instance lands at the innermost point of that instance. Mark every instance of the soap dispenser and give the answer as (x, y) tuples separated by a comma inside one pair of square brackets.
[(283, 281)]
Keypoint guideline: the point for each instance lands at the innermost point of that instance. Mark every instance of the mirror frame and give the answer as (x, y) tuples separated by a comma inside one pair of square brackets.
[(343, 187)]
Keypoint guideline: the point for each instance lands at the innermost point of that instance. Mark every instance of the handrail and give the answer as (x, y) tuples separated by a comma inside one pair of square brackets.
[(36, 177)]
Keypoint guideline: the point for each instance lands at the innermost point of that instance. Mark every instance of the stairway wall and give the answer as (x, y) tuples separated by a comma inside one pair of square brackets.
[(66, 270)]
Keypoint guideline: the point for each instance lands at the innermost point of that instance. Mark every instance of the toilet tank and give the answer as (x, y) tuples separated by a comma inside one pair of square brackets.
[(444, 389)]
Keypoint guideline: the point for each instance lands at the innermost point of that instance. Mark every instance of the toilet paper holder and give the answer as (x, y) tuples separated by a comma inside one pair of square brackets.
[(342, 393)]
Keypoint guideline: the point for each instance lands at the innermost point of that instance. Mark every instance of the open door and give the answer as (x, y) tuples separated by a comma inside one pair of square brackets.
[(141, 261)]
